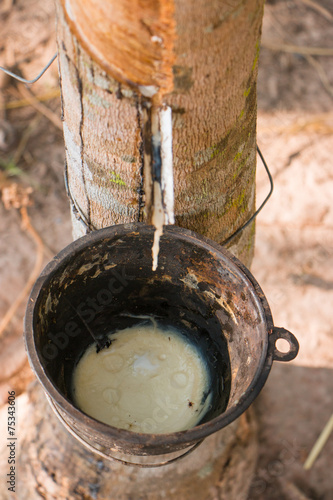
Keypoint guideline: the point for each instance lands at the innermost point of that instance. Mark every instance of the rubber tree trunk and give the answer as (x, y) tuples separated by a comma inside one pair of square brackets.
[(212, 95), (205, 69)]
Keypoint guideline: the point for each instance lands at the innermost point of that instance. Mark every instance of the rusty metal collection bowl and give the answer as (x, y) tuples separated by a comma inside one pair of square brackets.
[(105, 280)]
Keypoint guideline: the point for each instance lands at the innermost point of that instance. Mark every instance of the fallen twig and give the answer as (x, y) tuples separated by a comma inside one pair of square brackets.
[(25, 139), (41, 108), (20, 103), (319, 444), (318, 8), (294, 492), (319, 124), (296, 49), (26, 224), (321, 73)]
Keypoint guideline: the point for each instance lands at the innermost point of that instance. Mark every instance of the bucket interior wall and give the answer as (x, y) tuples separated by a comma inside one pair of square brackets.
[(201, 292)]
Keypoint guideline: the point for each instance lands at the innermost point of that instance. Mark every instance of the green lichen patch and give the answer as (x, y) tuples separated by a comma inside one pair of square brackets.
[(247, 92), (116, 179), (205, 156), (182, 77), (128, 159), (96, 100), (256, 57)]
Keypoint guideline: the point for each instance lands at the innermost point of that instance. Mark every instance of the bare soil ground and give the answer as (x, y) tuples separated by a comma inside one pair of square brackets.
[(294, 244), (294, 248)]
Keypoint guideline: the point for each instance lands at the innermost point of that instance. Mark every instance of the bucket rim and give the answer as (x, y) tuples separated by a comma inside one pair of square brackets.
[(123, 436)]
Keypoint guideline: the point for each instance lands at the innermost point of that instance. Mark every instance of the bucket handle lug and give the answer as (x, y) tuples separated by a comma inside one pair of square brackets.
[(282, 333)]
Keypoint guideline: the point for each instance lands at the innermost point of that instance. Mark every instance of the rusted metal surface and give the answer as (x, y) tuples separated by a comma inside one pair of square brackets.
[(198, 287)]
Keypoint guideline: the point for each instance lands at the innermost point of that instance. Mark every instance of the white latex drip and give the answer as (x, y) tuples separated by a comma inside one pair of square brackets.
[(158, 221), (163, 207)]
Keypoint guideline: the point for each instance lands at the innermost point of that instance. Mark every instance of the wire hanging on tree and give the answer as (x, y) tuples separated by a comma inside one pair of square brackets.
[(24, 80), (78, 213)]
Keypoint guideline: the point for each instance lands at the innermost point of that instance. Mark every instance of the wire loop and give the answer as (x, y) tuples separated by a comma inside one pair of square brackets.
[(78, 214), (240, 229), (24, 80)]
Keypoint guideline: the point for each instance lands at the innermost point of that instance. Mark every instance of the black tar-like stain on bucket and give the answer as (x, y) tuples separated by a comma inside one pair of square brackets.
[(105, 280)]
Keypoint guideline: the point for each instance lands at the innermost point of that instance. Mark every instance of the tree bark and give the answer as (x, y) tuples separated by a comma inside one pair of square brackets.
[(213, 104), (54, 466), (212, 57)]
